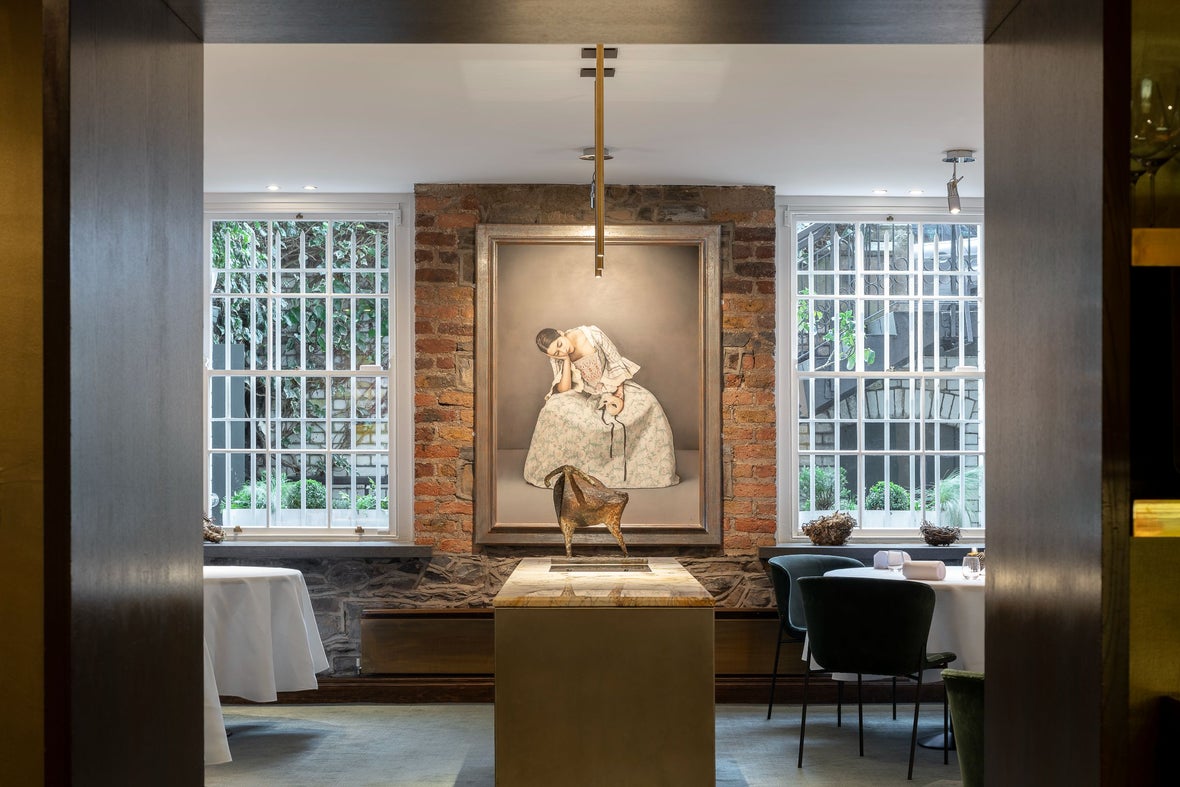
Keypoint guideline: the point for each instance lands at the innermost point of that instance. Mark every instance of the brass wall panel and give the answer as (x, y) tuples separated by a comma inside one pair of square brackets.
[(597, 696), (1155, 643), (21, 389)]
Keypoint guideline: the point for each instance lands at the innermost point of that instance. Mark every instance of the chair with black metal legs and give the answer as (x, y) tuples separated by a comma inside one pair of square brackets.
[(785, 571), (871, 626)]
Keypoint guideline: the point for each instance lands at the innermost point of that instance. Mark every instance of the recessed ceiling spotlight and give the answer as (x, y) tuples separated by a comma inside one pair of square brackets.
[(916, 192), (273, 187), (880, 191), (310, 188)]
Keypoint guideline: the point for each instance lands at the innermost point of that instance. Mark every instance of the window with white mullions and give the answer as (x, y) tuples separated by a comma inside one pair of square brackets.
[(297, 376), (888, 371)]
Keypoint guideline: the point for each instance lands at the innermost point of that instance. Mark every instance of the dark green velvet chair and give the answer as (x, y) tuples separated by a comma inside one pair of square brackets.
[(785, 571), (964, 691), (871, 626)]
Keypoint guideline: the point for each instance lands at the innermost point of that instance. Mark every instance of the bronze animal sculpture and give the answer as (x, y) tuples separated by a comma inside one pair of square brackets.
[(581, 500)]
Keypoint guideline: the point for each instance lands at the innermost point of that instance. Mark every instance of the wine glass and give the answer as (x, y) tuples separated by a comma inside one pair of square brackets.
[(1155, 128), (971, 567), (895, 560)]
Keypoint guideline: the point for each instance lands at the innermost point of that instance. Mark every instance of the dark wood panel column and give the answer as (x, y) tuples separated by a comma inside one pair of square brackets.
[(1056, 486), (123, 394)]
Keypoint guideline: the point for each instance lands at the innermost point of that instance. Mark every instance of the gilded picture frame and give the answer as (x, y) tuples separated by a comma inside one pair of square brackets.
[(659, 302)]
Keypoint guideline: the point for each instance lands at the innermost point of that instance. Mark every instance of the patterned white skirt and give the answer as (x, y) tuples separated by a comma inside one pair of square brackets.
[(633, 450)]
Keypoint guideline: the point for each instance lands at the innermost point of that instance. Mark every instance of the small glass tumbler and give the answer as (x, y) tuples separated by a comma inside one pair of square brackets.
[(971, 567), (895, 560)]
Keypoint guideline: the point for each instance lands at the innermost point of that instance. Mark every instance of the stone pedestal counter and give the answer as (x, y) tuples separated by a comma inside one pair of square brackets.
[(604, 674)]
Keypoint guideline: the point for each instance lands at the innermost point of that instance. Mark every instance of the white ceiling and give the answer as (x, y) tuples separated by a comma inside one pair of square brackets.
[(808, 120)]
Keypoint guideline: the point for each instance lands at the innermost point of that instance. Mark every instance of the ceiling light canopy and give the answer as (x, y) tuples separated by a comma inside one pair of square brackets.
[(588, 154)]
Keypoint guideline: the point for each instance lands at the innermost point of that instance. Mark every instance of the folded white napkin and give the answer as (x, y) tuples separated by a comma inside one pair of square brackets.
[(881, 558), (924, 569)]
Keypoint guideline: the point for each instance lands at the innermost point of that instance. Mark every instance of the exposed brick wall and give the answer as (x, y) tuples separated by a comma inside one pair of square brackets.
[(444, 256)]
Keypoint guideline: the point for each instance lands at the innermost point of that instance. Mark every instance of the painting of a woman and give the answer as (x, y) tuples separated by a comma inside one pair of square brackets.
[(597, 418)]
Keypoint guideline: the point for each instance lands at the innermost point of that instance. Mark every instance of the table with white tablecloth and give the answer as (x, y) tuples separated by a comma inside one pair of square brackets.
[(216, 742), (260, 638), (957, 625)]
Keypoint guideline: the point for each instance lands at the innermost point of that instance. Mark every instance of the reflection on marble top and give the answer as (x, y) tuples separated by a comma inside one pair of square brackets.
[(668, 584)]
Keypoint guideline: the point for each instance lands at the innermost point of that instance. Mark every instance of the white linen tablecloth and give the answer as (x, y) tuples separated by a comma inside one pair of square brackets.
[(957, 625), (216, 742), (261, 632), (260, 636)]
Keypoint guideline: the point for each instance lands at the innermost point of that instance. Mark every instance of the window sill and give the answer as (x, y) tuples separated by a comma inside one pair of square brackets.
[(918, 550), (314, 549)]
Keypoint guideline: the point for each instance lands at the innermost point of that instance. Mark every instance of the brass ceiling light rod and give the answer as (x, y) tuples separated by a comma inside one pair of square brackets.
[(599, 163), (598, 196)]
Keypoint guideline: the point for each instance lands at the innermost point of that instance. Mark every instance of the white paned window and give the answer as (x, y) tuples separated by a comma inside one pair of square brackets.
[(884, 328), (298, 397)]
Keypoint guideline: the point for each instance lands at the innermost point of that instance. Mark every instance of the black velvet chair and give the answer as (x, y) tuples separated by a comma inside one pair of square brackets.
[(785, 571), (871, 626), (964, 692)]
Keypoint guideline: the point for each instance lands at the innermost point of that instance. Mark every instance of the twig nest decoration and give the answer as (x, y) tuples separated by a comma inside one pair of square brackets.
[(213, 531), (832, 530), (937, 536)]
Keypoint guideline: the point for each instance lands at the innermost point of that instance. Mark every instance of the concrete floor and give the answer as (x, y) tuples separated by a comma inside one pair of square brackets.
[(452, 744)]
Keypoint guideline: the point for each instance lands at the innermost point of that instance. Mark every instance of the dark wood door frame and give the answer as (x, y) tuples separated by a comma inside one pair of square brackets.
[(1069, 49)]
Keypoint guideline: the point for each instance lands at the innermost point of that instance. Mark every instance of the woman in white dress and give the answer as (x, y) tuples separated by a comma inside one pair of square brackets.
[(597, 418)]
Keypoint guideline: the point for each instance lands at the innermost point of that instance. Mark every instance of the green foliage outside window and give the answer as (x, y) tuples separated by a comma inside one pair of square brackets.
[(956, 497), (288, 491), (292, 265), (899, 498), (238, 244), (809, 319), (242, 497), (825, 490), (368, 501)]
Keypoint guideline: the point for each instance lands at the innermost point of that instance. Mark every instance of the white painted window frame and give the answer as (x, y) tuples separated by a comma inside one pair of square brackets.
[(792, 210), (398, 210)]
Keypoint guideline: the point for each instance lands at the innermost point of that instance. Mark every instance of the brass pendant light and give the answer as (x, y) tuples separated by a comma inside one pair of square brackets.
[(599, 153), (599, 160)]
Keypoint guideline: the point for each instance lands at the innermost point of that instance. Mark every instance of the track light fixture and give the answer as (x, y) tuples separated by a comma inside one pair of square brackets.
[(952, 195), (955, 157)]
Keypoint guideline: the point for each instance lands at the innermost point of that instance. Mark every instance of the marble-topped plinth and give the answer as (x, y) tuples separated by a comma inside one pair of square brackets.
[(665, 584), (604, 674)]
